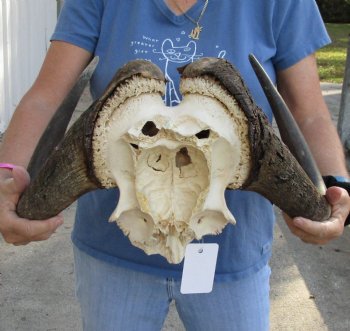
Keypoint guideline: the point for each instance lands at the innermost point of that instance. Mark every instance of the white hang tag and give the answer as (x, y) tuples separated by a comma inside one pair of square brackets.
[(199, 268)]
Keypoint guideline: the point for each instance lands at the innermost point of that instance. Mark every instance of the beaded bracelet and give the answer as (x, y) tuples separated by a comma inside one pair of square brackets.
[(9, 166)]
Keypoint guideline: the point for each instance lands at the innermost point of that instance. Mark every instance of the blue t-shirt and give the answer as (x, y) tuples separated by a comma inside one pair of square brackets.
[(279, 33)]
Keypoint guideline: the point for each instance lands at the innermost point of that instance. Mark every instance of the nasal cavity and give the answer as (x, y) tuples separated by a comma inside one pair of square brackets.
[(182, 158), (150, 129), (204, 134)]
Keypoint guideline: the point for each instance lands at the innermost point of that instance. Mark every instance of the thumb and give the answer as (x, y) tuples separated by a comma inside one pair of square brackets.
[(15, 185), (334, 194)]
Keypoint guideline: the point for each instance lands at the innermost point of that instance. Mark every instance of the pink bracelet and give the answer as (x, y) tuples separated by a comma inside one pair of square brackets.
[(9, 166)]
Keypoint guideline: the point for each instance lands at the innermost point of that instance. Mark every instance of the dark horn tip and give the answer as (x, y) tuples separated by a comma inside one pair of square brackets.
[(253, 60)]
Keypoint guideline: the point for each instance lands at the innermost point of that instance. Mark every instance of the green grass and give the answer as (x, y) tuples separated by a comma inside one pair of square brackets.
[(331, 59)]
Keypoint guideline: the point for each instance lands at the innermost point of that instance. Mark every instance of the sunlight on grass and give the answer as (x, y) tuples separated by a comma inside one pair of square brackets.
[(331, 59)]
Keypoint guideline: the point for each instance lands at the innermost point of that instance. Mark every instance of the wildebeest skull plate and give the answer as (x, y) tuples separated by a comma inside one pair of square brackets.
[(173, 164)]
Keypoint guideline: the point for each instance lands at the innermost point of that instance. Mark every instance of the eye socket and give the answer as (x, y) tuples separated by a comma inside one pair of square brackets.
[(150, 129), (204, 134)]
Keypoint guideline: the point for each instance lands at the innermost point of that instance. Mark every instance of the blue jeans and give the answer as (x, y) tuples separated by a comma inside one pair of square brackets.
[(115, 298)]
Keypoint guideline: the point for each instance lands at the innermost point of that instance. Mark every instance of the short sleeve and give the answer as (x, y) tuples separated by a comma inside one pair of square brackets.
[(298, 31), (79, 23)]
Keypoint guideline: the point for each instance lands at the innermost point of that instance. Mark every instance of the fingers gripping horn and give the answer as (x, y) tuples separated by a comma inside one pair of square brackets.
[(274, 172), (69, 170)]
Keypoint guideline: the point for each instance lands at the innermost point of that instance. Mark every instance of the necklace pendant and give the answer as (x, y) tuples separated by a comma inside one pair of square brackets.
[(195, 32)]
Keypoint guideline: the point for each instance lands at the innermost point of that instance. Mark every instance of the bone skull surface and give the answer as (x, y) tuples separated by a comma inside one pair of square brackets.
[(172, 164)]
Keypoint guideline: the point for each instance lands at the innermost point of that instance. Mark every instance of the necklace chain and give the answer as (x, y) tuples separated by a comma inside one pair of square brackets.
[(197, 29)]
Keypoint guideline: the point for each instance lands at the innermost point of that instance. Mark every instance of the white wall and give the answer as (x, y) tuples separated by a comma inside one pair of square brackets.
[(25, 30)]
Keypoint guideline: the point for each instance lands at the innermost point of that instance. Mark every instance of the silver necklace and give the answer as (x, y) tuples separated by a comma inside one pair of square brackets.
[(198, 28)]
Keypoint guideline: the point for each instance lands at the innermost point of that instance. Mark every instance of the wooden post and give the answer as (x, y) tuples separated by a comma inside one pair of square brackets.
[(344, 112)]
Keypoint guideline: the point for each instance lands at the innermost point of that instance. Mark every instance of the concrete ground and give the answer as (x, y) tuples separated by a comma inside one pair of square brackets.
[(310, 285)]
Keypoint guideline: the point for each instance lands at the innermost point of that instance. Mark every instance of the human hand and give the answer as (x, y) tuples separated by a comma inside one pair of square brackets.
[(16, 230), (321, 233)]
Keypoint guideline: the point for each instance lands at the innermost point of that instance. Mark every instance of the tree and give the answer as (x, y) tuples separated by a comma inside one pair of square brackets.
[(335, 11)]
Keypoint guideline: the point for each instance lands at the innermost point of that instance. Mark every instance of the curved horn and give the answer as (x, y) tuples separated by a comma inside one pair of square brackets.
[(274, 172), (70, 170), (57, 127), (289, 130)]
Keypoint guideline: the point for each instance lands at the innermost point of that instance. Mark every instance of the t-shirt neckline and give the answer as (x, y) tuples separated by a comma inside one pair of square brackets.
[(193, 12)]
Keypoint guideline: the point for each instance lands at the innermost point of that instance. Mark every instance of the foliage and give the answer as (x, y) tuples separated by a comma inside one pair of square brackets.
[(331, 59), (335, 11)]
